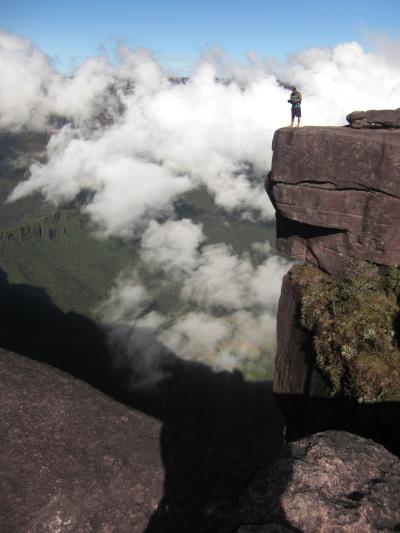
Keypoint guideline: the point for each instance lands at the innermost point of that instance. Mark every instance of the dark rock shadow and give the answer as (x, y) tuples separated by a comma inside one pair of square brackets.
[(30, 324), (306, 415), (218, 429), (315, 411), (260, 509), (329, 481)]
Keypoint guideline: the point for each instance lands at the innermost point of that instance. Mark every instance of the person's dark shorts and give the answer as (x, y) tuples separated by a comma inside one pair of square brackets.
[(296, 112)]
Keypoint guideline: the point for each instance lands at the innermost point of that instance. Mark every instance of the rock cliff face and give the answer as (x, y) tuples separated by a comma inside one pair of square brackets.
[(46, 227), (336, 191), (337, 194)]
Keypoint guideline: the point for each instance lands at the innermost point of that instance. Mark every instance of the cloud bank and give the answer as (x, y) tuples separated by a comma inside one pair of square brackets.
[(138, 139), (229, 304), (163, 137)]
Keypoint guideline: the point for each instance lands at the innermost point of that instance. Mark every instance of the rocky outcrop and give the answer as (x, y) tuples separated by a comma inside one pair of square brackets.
[(72, 459), (384, 118), (331, 481), (337, 195), (47, 227), (307, 361)]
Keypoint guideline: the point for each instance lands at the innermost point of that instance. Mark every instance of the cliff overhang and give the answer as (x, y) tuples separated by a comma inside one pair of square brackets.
[(336, 191)]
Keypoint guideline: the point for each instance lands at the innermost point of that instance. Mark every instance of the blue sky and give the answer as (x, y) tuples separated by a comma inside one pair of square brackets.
[(177, 31)]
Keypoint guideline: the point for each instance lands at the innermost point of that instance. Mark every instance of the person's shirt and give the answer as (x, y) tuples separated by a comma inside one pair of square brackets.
[(296, 98)]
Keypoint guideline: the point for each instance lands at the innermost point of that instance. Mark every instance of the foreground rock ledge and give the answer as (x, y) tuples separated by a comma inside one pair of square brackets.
[(332, 481), (336, 192), (72, 459)]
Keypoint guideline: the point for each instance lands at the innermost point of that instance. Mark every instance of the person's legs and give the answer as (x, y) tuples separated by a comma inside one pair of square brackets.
[(293, 115), (298, 115)]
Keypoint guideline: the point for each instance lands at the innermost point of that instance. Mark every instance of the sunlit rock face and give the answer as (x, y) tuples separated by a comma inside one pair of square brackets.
[(336, 191)]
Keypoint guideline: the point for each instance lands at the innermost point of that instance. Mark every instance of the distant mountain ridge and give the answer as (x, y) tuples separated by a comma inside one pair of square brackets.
[(48, 226)]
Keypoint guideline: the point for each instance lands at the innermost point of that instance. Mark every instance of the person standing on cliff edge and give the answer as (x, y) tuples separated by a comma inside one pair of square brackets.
[(295, 99)]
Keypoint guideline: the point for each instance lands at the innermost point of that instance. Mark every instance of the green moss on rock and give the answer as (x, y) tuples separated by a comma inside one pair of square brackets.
[(352, 319)]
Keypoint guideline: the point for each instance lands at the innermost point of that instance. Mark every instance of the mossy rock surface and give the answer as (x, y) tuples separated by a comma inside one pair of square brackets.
[(354, 322)]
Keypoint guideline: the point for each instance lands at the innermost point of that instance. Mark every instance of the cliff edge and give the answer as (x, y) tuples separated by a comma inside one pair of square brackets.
[(336, 191)]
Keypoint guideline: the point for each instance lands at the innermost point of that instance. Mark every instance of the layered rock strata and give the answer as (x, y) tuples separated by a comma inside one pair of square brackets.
[(336, 191), (384, 118), (337, 195)]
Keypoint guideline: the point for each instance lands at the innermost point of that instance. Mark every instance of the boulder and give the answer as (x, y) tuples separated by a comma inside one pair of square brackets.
[(336, 192), (382, 118), (331, 481), (72, 459)]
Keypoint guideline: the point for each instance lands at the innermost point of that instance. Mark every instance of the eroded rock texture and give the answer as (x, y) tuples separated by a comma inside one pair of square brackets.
[(337, 195), (297, 384), (383, 118), (72, 459), (332, 481), (304, 394)]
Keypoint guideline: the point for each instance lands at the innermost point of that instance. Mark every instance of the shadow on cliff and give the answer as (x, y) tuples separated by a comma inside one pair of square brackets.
[(306, 415), (218, 430)]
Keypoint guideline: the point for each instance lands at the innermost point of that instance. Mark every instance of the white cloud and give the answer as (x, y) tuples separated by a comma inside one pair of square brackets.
[(223, 342), (25, 76), (209, 279), (172, 246), (177, 136), (31, 90), (84, 94), (127, 191), (125, 303), (171, 138), (265, 282), (221, 279), (196, 335)]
